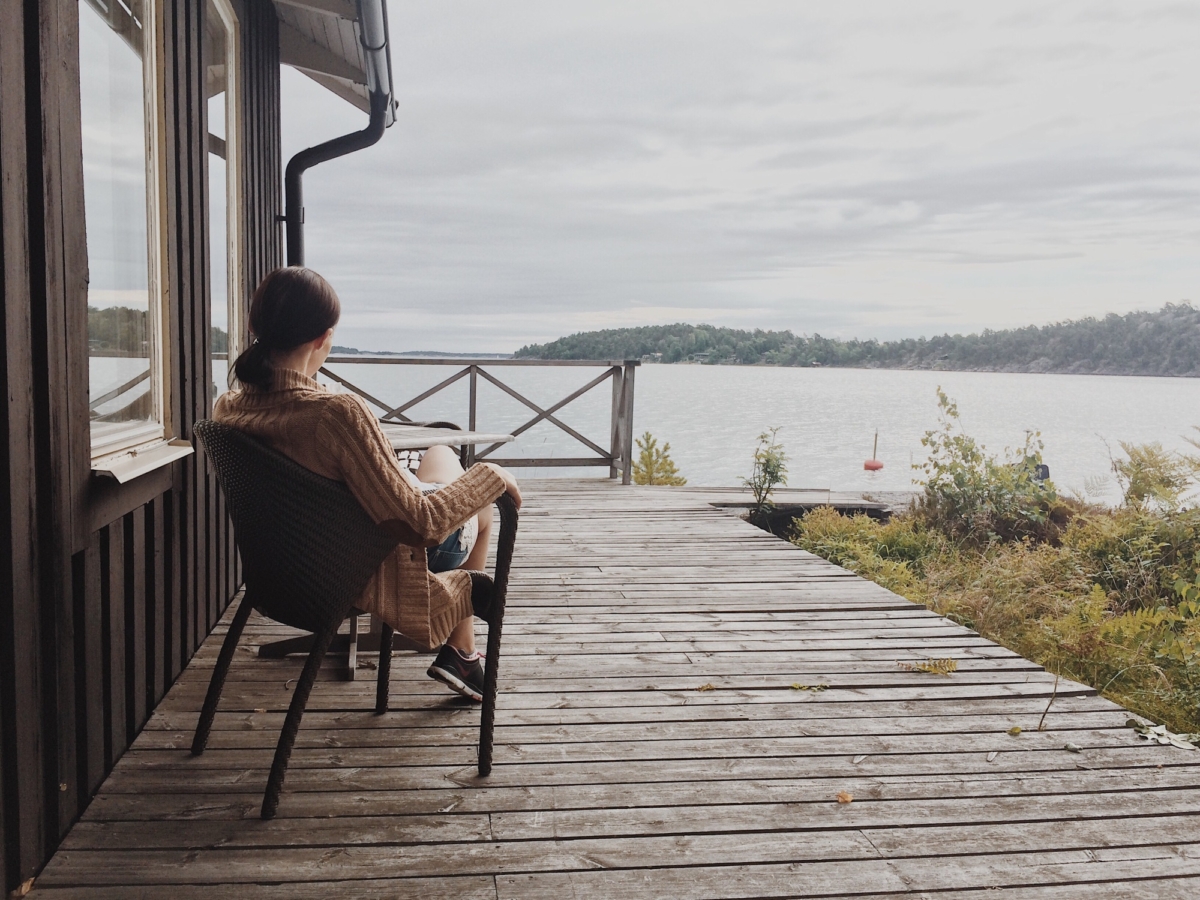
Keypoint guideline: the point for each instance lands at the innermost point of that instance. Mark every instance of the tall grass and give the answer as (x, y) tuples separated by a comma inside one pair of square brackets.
[(1107, 597)]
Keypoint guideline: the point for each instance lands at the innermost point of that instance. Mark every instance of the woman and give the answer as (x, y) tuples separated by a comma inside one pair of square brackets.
[(425, 595)]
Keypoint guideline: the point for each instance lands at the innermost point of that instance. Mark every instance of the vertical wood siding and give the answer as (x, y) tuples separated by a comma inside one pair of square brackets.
[(96, 623)]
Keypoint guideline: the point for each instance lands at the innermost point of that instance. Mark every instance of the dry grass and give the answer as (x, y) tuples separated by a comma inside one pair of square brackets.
[(1103, 607)]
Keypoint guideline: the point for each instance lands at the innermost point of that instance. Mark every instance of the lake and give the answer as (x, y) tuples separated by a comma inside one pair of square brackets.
[(711, 416)]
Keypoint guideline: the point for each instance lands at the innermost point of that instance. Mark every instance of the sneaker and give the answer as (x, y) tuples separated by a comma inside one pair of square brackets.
[(459, 673)]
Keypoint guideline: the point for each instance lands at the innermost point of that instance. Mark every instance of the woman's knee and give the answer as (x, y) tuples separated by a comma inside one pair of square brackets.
[(439, 464)]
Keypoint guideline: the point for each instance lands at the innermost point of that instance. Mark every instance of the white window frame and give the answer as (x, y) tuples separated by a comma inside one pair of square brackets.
[(233, 177), (140, 437)]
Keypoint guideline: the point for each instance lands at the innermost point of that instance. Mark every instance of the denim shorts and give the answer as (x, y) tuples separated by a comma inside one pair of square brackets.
[(449, 554), (454, 550)]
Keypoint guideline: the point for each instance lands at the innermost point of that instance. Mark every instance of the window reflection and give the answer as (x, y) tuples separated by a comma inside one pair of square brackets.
[(121, 338)]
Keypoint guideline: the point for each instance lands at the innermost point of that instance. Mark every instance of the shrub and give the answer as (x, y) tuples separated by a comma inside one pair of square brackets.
[(1151, 477), (654, 464), (769, 471), (891, 554), (1107, 597), (1046, 602), (1136, 555), (972, 496)]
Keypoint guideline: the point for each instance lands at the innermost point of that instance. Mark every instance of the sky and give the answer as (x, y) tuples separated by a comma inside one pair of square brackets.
[(858, 169)]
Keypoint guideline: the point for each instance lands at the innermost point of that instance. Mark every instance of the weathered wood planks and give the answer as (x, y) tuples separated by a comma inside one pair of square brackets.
[(616, 776)]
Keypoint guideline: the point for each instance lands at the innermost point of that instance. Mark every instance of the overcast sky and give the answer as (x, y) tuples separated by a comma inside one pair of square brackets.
[(858, 169)]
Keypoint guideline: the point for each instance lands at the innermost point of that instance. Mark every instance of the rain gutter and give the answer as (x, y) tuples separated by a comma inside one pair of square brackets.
[(373, 36)]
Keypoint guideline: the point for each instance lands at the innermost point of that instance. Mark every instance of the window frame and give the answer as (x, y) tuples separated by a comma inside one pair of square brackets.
[(143, 436), (233, 183)]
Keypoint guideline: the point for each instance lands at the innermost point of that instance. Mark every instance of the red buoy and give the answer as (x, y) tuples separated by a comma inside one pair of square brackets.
[(872, 464)]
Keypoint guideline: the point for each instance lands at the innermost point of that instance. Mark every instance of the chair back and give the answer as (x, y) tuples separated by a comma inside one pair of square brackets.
[(308, 548)]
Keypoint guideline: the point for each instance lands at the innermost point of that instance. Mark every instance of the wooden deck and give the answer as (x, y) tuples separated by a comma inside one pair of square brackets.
[(683, 697)]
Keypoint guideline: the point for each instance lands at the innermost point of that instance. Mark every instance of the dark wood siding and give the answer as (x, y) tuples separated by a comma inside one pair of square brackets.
[(105, 593), (263, 200)]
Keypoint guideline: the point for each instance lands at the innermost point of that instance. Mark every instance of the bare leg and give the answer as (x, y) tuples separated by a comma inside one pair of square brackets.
[(476, 560), (462, 638), (441, 465)]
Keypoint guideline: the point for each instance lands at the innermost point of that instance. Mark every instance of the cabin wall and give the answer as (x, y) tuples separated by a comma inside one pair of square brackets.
[(105, 592)]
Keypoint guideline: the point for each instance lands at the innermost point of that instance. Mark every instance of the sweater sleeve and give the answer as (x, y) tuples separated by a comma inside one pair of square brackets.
[(369, 467)]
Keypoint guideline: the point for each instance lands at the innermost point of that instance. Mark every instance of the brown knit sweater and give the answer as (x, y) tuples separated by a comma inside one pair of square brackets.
[(336, 435)]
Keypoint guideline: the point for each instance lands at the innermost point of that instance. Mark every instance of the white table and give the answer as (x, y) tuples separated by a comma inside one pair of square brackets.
[(420, 437)]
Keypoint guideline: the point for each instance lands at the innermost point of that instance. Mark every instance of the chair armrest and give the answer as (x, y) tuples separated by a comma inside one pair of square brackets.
[(506, 542)]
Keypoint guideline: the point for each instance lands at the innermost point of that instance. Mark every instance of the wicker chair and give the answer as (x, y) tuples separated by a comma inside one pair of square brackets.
[(308, 550)]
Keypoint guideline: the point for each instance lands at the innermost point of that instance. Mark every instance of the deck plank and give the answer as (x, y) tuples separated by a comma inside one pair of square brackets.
[(657, 735)]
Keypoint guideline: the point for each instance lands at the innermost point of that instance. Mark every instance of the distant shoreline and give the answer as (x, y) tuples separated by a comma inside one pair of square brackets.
[(979, 370), (434, 354), (1161, 343), (423, 354)]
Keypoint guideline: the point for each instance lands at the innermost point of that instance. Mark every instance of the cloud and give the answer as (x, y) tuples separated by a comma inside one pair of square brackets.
[(865, 169)]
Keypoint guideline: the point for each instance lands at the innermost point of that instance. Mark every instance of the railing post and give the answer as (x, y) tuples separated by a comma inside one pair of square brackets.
[(627, 415), (614, 422), (471, 413)]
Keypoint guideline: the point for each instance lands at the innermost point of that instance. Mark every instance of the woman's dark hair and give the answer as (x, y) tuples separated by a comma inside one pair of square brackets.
[(291, 306)]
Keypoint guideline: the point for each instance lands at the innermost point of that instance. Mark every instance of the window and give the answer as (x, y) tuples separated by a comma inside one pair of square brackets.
[(118, 101), (223, 231)]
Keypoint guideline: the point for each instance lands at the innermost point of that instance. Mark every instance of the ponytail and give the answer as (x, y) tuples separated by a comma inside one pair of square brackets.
[(291, 306), (253, 366)]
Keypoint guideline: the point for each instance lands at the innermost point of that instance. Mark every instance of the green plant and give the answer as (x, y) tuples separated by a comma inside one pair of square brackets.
[(931, 666), (769, 472), (891, 554), (654, 464), (1113, 601), (1136, 555), (973, 496), (1153, 477), (1074, 608)]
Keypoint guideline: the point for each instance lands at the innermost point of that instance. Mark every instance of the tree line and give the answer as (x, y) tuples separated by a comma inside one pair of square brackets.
[(1164, 342), (121, 331)]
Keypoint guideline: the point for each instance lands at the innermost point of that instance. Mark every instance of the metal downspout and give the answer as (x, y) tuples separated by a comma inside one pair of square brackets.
[(373, 30)]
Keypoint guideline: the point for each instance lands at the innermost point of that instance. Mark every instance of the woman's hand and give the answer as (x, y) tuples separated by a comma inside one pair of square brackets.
[(510, 484)]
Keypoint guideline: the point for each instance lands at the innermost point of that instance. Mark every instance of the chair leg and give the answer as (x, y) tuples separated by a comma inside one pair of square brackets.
[(352, 652), (505, 544), (383, 685), (291, 725), (217, 683), (491, 677)]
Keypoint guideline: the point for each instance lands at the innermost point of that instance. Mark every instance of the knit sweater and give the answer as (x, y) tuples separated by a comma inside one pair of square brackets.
[(336, 435)]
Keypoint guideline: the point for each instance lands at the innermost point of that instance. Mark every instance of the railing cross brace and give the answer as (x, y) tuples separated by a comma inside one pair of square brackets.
[(617, 458), (547, 413)]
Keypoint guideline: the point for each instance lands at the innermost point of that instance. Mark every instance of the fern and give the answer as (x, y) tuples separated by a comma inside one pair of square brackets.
[(931, 666)]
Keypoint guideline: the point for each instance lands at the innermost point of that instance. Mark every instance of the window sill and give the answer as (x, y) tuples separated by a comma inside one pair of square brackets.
[(125, 467)]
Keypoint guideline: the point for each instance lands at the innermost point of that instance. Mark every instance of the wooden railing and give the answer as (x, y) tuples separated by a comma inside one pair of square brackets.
[(117, 392), (618, 456)]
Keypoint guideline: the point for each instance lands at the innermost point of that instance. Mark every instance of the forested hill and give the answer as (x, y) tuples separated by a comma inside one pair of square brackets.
[(1166, 342)]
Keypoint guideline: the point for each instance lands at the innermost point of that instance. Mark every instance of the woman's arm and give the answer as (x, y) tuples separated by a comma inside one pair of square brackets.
[(510, 483), (369, 467)]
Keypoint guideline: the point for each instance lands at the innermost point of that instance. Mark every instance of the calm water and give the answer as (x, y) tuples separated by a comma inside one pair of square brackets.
[(828, 417)]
